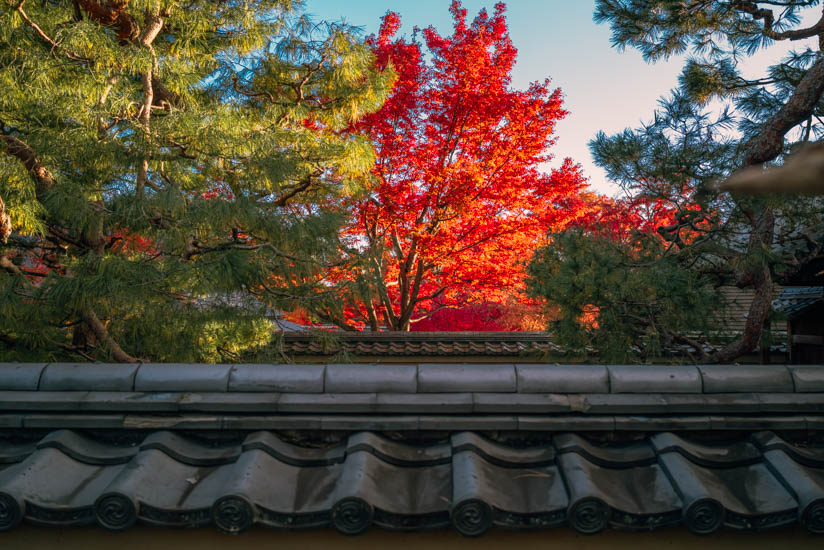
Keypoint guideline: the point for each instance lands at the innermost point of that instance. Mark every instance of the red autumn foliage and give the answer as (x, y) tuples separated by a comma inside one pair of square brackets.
[(459, 201), (625, 219), (487, 316)]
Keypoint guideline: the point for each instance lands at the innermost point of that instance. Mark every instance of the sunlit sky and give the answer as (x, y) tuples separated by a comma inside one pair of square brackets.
[(604, 89)]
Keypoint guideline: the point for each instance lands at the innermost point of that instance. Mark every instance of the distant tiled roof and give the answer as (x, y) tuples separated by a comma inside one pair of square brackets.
[(792, 301), (535, 345), (467, 481), (511, 344), (468, 445), (735, 308)]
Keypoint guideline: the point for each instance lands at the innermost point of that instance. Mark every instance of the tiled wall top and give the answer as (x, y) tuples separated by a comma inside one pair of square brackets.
[(423, 378)]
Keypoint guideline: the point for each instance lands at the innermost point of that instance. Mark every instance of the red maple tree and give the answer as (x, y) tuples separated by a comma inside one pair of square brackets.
[(458, 201)]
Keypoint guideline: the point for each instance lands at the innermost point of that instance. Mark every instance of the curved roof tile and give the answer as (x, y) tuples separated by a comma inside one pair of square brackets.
[(468, 481)]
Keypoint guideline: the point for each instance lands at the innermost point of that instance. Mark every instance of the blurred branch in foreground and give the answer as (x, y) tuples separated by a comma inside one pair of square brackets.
[(803, 173)]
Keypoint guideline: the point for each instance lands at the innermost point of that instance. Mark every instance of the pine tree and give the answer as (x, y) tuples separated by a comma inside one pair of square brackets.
[(165, 161), (715, 123)]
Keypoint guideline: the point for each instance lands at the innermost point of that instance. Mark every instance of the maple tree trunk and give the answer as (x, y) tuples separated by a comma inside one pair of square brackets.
[(373, 316)]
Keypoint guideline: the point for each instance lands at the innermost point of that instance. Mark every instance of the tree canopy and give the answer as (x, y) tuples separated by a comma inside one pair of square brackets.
[(158, 158), (458, 199), (716, 121)]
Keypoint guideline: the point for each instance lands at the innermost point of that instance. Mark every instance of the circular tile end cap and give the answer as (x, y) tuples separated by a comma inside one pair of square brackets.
[(352, 516), (115, 511), (11, 512), (704, 516), (233, 514), (813, 516), (472, 518), (589, 516)]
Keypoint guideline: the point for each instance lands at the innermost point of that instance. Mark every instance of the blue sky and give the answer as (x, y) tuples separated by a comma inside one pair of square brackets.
[(603, 89)]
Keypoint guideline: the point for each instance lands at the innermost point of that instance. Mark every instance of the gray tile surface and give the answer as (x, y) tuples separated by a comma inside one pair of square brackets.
[(327, 402), (717, 403), (625, 404), (620, 398), (190, 452), (815, 422), (421, 378), (808, 378), (533, 403), (425, 403), (371, 378), (791, 402), (654, 379), (440, 378), (566, 423), (277, 378), (383, 423), (229, 402), (42, 400), (656, 423), (504, 455), (746, 378), (728, 422), (460, 422), (86, 449), (11, 420), (170, 377), (160, 402), (20, 376), (562, 379), (74, 421), (272, 422), (83, 376)]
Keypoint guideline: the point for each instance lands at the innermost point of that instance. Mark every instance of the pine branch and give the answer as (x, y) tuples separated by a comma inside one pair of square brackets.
[(333, 318), (9, 266), (769, 142), (703, 357), (44, 181), (298, 189), (17, 148), (8, 340), (102, 334), (43, 36), (153, 24), (102, 128), (769, 19), (12, 341), (113, 14)]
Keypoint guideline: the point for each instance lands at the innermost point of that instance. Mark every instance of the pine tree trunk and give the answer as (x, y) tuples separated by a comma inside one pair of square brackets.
[(765, 146)]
